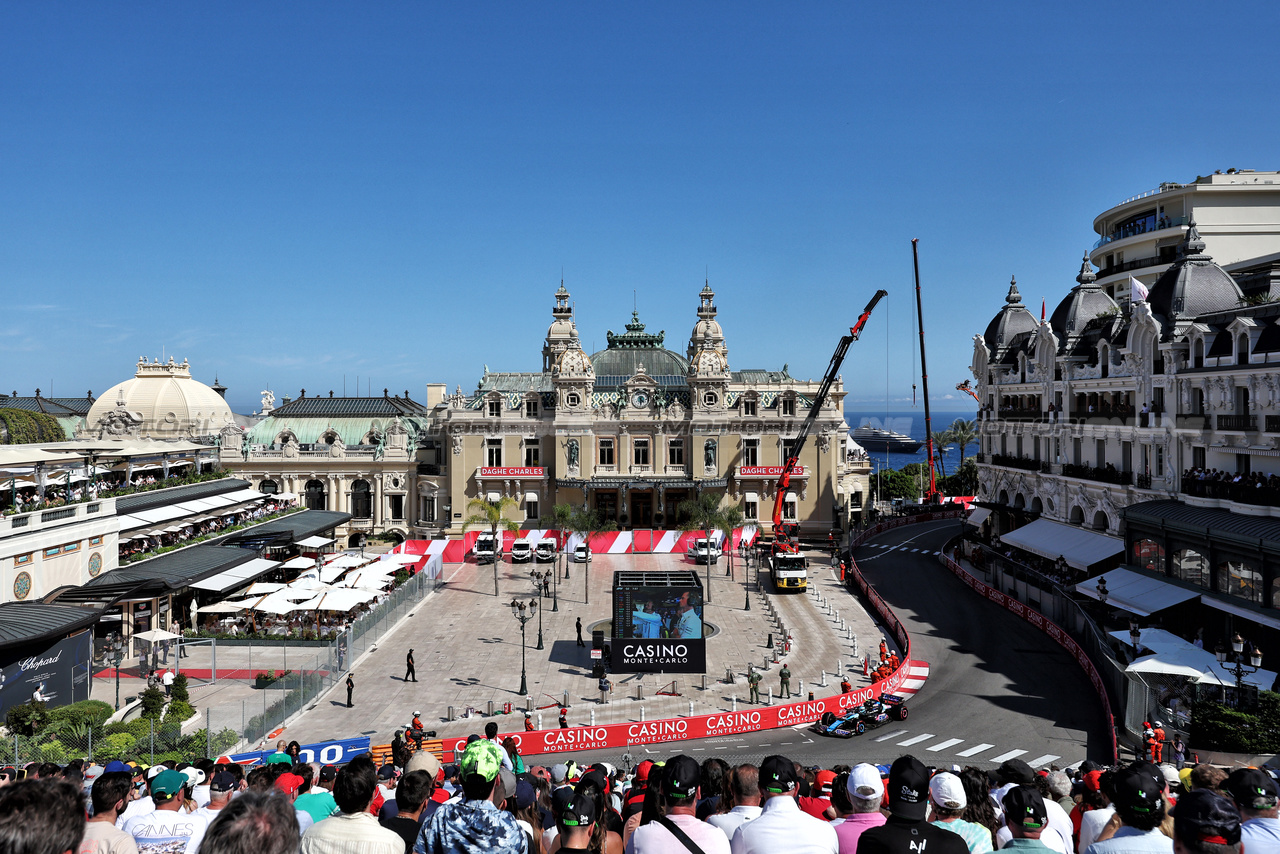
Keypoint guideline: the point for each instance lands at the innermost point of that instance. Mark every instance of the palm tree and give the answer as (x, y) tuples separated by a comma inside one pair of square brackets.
[(561, 518), (702, 514), (731, 519), (963, 433), (491, 513), (586, 524), (941, 438)]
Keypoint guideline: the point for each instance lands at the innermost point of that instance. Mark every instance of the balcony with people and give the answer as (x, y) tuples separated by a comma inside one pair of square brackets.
[(1257, 489)]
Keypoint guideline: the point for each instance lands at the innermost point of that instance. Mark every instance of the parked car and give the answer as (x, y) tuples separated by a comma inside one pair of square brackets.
[(581, 553), (859, 719), (704, 551), (521, 550)]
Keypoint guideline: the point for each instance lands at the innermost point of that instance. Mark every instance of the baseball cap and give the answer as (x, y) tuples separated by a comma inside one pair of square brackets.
[(823, 780), (865, 783), (1137, 789), (1170, 774), (1024, 807), (288, 783), (424, 760), (579, 812), (558, 772), (482, 758), (777, 774), (506, 783), (91, 775), (560, 800), (1202, 815), (387, 772), (1093, 781), (155, 771), (194, 775), (168, 782), (682, 777), (947, 791), (642, 770), (328, 772), (1016, 771), (525, 794), (908, 788), (1251, 788), (115, 766), (223, 781)]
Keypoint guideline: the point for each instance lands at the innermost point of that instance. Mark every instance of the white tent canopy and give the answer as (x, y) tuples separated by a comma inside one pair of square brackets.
[(156, 635), (236, 575), (315, 542), (400, 558), (346, 561), (978, 515), (338, 600), (1081, 548), (1173, 656), (299, 563), (1136, 593)]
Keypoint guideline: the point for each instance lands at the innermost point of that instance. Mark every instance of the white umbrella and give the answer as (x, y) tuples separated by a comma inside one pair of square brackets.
[(345, 560), (365, 578), (227, 607), (299, 563), (273, 603), (156, 635), (260, 588), (283, 496), (400, 558)]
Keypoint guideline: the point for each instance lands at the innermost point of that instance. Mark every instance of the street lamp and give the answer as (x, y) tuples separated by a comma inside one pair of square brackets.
[(542, 580), (518, 610), (1135, 637), (1237, 659), (117, 658)]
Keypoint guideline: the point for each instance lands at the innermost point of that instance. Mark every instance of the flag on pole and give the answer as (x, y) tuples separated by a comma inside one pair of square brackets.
[(1137, 291)]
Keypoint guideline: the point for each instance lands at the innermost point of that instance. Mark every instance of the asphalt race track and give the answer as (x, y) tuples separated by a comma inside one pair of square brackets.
[(998, 688)]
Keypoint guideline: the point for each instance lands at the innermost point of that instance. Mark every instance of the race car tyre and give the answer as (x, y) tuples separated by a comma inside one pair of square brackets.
[(902, 713), (828, 718), (860, 728)]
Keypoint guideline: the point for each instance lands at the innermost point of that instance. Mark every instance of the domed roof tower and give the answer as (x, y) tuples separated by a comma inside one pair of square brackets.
[(1011, 321), (563, 332), (1192, 286), (162, 401), (1085, 302)]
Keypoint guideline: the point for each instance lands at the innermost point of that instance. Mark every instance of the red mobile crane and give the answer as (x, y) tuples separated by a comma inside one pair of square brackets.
[(786, 538), (968, 389)]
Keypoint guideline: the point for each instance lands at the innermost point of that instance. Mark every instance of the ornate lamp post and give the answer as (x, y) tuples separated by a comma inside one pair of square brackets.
[(541, 580), (518, 610), (117, 658), (1237, 659), (1135, 637)]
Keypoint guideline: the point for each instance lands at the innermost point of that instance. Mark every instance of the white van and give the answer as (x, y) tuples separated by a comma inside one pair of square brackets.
[(521, 550), (704, 551), (545, 550), (488, 548)]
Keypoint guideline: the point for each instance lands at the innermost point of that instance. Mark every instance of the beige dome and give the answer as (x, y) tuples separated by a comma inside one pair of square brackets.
[(162, 401)]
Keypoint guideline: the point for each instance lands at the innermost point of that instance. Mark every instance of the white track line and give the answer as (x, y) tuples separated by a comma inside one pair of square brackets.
[(943, 745), (1010, 755), (973, 751), (1042, 761), (918, 739)]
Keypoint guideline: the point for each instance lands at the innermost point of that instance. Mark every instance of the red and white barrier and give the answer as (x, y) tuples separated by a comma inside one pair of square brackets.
[(610, 542)]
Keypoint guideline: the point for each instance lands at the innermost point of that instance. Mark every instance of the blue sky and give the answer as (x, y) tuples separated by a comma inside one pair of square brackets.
[(287, 194)]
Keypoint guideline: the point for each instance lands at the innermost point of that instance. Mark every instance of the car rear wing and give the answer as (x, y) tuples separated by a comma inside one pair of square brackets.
[(893, 698)]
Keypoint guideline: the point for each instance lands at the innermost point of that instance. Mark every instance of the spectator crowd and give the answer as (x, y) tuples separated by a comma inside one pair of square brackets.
[(492, 801)]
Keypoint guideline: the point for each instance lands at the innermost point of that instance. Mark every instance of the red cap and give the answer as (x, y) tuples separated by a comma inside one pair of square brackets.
[(1093, 781), (824, 779), (288, 783), (642, 770)]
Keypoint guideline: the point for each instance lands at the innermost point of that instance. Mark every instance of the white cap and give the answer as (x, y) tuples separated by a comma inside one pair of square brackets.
[(947, 791), (154, 770), (194, 774), (865, 783)]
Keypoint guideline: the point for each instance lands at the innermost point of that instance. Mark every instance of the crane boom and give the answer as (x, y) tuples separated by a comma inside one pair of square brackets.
[(784, 534)]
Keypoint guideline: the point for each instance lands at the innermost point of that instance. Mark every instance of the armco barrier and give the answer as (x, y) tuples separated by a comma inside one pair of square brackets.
[(1050, 628), (680, 729)]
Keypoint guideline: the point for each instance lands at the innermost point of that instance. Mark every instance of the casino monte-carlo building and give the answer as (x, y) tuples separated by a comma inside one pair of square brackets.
[(630, 431)]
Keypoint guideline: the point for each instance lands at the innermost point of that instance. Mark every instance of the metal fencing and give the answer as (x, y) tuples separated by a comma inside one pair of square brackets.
[(145, 740)]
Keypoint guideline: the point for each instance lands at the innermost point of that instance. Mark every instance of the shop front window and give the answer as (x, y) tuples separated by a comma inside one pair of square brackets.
[(1190, 565), (1239, 578), (1149, 555)]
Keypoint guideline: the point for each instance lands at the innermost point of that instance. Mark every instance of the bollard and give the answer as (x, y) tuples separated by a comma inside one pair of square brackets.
[(691, 708), (593, 717), (769, 702), (800, 687), (528, 703), (839, 668), (704, 682), (490, 712), (639, 693), (766, 662), (642, 714), (450, 716), (769, 644), (810, 696), (733, 704), (824, 679), (565, 704), (539, 720)]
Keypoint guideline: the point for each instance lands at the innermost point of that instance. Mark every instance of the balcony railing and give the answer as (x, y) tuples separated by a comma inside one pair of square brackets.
[(1273, 423), (1009, 461), (1238, 422), (1105, 474), (1141, 228), (1143, 481), (1014, 414), (1193, 421), (1258, 490), (1135, 264)]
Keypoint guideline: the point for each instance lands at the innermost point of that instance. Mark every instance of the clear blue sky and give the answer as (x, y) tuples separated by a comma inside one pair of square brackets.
[(285, 194)]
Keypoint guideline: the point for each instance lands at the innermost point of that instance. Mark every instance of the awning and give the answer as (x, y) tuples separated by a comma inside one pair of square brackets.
[(315, 542), (1049, 539), (237, 575), (283, 496), (1239, 611), (338, 600), (298, 563), (791, 496), (346, 561), (751, 496), (1173, 656), (531, 496), (1136, 593), (978, 515), (494, 497)]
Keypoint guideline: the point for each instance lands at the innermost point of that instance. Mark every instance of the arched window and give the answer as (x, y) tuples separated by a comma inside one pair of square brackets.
[(1190, 565), (329, 438), (1100, 521), (1240, 578), (1077, 516), (1197, 353), (1037, 506), (361, 500), (1242, 350), (268, 487), (315, 495), (1149, 555)]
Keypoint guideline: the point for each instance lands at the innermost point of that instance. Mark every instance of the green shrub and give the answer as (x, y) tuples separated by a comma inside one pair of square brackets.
[(179, 712), (115, 746), (152, 703), (27, 718), (1218, 727), (180, 692), (94, 713)]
